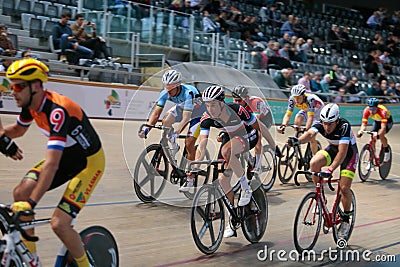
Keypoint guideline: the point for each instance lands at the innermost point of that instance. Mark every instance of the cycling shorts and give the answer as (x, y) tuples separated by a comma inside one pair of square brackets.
[(349, 164), (248, 141), (194, 124), (376, 126), (83, 178)]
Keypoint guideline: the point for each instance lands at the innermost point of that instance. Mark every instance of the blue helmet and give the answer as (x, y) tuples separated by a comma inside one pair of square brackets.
[(373, 102)]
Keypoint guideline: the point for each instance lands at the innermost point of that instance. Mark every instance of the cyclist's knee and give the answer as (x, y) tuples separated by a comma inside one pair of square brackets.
[(59, 226), (23, 191), (316, 163)]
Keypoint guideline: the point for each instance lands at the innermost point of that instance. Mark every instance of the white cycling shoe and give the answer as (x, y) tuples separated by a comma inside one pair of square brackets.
[(245, 197)]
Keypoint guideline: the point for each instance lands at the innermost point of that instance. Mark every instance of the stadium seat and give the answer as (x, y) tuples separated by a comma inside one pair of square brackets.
[(8, 7)]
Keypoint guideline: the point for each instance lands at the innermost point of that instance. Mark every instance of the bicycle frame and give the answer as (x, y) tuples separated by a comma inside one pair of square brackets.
[(372, 147)]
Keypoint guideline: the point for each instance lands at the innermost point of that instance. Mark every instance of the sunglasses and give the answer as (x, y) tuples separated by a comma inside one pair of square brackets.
[(20, 86)]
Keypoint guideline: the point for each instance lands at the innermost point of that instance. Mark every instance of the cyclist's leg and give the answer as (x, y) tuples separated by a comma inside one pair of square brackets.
[(313, 141), (190, 141), (321, 158), (75, 197), (171, 116), (301, 117), (347, 172)]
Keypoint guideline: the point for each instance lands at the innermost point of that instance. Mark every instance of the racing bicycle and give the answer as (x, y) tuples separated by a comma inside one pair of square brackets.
[(99, 243), (208, 216), (313, 208), (293, 158), (152, 168), (369, 160)]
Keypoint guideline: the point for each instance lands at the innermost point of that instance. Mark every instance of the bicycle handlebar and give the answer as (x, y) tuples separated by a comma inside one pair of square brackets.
[(370, 133), (300, 129), (318, 174), (160, 127), (208, 162)]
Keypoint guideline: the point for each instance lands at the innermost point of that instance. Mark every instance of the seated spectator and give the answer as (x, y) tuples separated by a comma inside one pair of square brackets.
[(6, 46), (370, 64), (326, 88), (375, 90), (300, 55), (397, 88), (283, 80), (5, 64), (96, 43), (316, 86), (308, 50), (270, 15), (284, 51), (287, 26), (26, 54), (306, 81), (337, 79), (354, 91), (377, 43), (382, 76), (335, 38), (391, 92), (284, 40), (209, 26), (374, 21), (386, 61), (340, 97), (298, 29), (64, 39)]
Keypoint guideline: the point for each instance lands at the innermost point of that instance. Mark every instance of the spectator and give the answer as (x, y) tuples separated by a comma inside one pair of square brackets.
[(5, 64), (335, 39), (374, 21), (382, 76), (397, 88), (336, 78), (375, 90), (354, 91), (308, 50), (306, 81), (316, 86), (340, 97), (284, 51), (6, 46), (287, 26), (26, 54), (95, 43), (209, 26), (283, 79), (271, 15), (347, 43), (298, 29), (391, 92), (370, 64), (285, 39), (63, 39), (325, 83), (386, 61), (300, 54), (377, 43)]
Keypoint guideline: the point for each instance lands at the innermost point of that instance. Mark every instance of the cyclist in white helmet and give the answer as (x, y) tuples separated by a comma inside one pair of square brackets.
[(310, 106), (188, 108), (341, 152)]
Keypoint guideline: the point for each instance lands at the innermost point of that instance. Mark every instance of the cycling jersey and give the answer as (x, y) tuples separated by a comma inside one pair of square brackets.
[(185, 99), (68, 130), (311, 104), (258, 106), (382, 115), (342, 134)]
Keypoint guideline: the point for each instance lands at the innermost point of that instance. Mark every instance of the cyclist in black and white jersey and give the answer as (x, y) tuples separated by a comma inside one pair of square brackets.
[(341, 152), (310, 106), (241, 135)]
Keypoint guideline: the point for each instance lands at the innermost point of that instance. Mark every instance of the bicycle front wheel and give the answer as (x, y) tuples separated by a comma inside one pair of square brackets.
[(384, 167), (307, 223), (207, 219), (268, 168), (287, 164), (365, 163), (339, 214), (151, 173), (100, 246), (255, 216)]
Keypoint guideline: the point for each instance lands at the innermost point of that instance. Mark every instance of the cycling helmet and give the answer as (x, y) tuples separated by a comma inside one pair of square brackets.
[(171, 77), (213, 92), (373, 102), (298, 90), (330, 113), (240, 92), (28, 69)]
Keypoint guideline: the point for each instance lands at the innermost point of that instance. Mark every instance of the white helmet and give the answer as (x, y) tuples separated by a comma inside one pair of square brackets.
[(298, 90), (330, 113), (171, 77), (213, 92)]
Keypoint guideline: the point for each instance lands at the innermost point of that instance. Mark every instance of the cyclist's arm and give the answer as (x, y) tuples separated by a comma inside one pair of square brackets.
[(47, 174), (155, 115), (286, 118), (201, 149), (185, 119), (15, 130), (307, 136), (364, 120), (310, 120), (340, 156), (258, 125)]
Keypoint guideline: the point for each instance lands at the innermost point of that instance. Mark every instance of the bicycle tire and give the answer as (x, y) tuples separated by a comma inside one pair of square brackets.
[(204, 176), (4, 222), (287, 164), (307, 158), (365, 163), (100, 246), (255, 216), (384, 167), (339, 213), (307, 216), (207, 211), (151, 186), (268, 168)]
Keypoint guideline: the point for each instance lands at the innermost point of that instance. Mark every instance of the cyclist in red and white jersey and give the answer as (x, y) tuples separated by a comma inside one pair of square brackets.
[(383, 122), (310, 106)]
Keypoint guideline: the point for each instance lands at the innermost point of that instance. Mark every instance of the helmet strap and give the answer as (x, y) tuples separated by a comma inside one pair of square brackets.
[(31, 95)]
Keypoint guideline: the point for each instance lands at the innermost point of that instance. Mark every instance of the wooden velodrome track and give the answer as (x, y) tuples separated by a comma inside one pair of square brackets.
[(159, 234)]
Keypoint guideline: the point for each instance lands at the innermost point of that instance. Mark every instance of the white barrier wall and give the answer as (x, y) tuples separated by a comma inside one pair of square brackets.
[(98, 102)]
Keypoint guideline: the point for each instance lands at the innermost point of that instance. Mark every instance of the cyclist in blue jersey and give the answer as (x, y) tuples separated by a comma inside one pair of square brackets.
[(188, 108)]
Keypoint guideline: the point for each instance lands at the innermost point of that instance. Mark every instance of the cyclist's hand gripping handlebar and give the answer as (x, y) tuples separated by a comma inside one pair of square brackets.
[(318, 174)]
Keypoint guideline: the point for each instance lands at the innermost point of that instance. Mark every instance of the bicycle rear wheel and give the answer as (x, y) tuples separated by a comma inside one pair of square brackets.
[(268, 168), (287, 164), (339, 213), (202, 177), (384, 168), (207, 219), (307, 223), (100, 247), (365, 163), (151, 173), (255, 216)]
